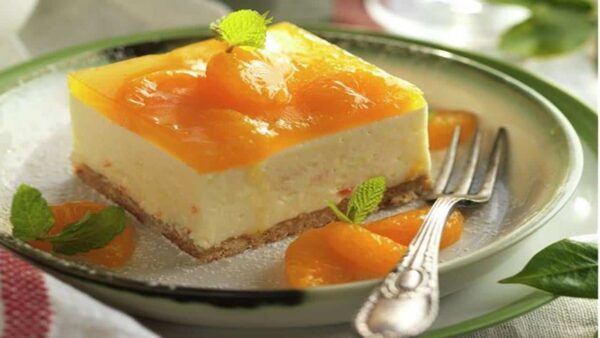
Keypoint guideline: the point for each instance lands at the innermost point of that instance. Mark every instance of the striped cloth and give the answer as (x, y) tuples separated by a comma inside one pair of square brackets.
[(35, 304)]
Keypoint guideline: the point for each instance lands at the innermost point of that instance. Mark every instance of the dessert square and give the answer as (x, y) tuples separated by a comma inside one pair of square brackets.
[(224, 150)]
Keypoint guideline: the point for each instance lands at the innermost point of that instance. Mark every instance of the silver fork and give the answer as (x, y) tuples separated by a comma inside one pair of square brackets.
[(407, 301)]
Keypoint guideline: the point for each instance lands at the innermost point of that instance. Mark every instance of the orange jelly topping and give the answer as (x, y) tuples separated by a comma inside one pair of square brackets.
[(342, 252), (216, 110), (115, 254)]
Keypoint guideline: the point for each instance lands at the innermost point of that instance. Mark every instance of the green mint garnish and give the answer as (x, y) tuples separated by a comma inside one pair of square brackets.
[(32, 219), (338, 213), (364, 200), (29, 213), (243, 28), (93, 231)]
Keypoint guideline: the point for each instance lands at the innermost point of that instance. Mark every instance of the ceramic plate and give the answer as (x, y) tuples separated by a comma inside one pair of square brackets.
[(545, 165)]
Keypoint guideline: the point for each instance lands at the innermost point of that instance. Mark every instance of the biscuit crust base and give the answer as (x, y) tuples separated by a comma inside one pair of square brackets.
[(399, 194)]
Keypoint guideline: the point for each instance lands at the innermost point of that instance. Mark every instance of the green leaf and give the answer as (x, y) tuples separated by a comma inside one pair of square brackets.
[(93, 231), (29, 214), (568, 4), (549, 31), (565, 268), (365, 199), (340, 215), (246, 28)]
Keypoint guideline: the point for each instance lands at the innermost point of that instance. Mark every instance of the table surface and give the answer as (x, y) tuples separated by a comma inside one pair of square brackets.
[(57, 24)]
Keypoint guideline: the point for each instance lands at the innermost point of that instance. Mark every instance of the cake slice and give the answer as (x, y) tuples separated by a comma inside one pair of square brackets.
[(224, 150)]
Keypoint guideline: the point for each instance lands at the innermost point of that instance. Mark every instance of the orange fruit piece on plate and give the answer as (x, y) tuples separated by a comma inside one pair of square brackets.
[(370, 254), (403, 227), (115, 254), (309, 262), (342, 252), (442, 124), (339, 253)]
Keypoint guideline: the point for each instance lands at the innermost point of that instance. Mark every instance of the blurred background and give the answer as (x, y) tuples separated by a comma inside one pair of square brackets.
[(556, 39)]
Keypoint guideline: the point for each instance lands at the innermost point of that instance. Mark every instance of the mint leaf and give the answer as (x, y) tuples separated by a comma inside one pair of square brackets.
[(32, 219), (246, 28), (29, 214), (93, 231), (565, 268), (365, 199), (340, 215), (549, 31), (568, 4)]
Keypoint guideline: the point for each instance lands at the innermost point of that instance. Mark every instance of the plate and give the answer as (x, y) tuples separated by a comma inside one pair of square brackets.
[(36, 142)]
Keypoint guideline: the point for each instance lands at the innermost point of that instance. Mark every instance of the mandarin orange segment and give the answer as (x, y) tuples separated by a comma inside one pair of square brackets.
[(249, 81), (403, 227), (442, 124), (310, 262), (370, 254), (340, 95), (341, 99), (115, 254)]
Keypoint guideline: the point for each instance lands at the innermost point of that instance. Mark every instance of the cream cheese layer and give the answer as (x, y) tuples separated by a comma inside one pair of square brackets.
[(211, 207)]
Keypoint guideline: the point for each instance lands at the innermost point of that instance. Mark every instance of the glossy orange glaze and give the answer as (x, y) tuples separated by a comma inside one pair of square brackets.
[(215, 110), (442, 123), (115, 254), (342, 252)]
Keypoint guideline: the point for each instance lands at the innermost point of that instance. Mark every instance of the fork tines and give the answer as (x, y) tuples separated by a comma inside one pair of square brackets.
[(465, 183)]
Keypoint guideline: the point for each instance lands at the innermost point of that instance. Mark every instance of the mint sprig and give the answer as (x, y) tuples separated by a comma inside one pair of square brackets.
[(93, 231), (338, 213), (364, 200), (243, 28), (29, 213), (32, 219)]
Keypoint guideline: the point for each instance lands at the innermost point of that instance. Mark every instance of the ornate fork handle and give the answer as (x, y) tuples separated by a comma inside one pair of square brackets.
[(407, 301)]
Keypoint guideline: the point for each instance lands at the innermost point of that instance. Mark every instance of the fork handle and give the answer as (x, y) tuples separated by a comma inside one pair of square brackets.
[(407, 301)]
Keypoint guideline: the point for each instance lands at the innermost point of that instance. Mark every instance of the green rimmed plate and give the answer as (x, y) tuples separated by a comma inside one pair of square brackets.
[(397, 55)]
